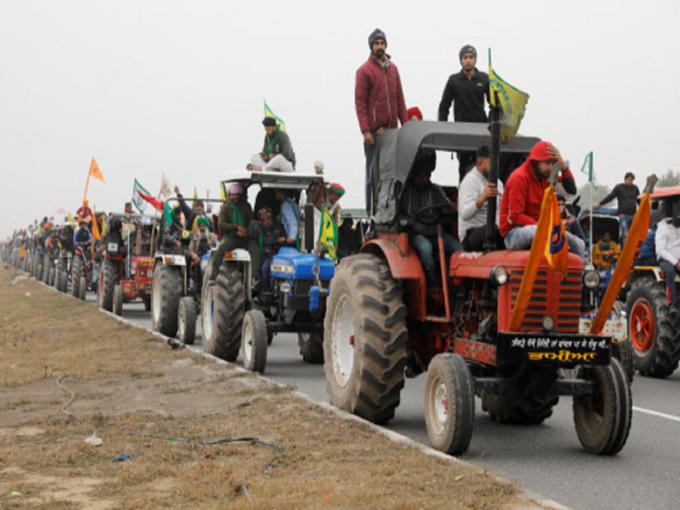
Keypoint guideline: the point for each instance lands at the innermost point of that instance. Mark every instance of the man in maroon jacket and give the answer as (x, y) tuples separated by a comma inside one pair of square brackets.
[(523, 196), (379, 99)]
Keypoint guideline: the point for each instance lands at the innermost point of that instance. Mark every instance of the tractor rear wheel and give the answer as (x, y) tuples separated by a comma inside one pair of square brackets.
[(82, 288), (254, 340), (654, 329), (311, 347), (186, 320), (603, 419), (519, 410), (365, 339), (118, 300), (449, 404), (226, 308), (165, 294), (107, 282), (77, 271)]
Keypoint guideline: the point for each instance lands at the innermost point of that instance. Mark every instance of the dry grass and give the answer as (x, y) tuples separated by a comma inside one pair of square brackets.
[(127, 382)]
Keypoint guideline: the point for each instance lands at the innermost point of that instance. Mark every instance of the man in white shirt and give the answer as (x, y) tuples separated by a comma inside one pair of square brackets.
[(473, 196), (668, 250)]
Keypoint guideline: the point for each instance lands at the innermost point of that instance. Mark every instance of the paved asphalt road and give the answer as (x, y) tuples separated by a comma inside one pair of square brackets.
[(547, 459)]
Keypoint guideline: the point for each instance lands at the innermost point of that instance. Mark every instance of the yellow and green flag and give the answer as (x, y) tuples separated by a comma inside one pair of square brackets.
[(512, 101), (280, 124), (328, 232)]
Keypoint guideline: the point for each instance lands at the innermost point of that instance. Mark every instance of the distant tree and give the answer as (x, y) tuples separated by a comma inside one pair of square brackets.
[(670, 178), (598, 194)]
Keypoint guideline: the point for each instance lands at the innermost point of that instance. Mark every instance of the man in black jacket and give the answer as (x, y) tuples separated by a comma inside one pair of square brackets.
[(626, 195), (466, 90)]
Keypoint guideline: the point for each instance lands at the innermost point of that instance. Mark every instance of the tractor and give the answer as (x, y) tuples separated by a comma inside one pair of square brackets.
[(382, 325), (237, 317), (66, 255), (127, 262)]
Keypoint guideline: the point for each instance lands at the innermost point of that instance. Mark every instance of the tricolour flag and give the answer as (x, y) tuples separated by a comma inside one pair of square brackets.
[(95, 172), (158, 204), (550, 240), (280, 124), (137, 199), (328, 232), (166, 186), (587, 169), (512, 101)]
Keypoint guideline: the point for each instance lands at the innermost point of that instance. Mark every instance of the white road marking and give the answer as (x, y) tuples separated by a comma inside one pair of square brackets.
[(656, 413)]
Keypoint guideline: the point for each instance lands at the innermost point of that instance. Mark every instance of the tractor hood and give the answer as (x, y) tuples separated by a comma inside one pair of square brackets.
[(477, 264), (289, 263)]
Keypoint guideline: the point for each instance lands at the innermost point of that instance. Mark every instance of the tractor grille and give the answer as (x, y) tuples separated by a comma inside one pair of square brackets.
[(551, 296), (301, 287)]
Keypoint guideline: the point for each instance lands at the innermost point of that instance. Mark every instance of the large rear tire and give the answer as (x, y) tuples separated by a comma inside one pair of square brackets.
[(82, 288), (254, 339), (165, 295), (186, 320), (311, 347), (77, 271), (449, 404), (365, 339), (654, 329), (228, 310), (107, 283), (603, 419)]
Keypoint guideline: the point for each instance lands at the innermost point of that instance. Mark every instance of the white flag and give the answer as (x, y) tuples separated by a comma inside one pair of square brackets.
[(166, 187), (137, 199)]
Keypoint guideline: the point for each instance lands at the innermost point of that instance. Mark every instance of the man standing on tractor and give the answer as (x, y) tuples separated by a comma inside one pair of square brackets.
[(523, 196), (235, 217), (466, 90), (193, 215), (277, 153), (84, 212), (422, 205), (668, 251), (379, 99), (473, 196), (626, 195), (201, 242)]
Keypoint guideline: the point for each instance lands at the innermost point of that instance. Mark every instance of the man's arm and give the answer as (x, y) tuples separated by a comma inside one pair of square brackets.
[(609, 197), (568, 181), (467, 207), (361, 99), (447, 99), (193, 248), (290, 221), (662, 251)]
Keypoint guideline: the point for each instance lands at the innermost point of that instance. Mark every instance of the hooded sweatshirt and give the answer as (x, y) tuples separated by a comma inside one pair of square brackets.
[(523, 196)]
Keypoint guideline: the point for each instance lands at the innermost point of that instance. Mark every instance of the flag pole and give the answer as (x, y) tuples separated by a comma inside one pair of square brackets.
[(87, 185)]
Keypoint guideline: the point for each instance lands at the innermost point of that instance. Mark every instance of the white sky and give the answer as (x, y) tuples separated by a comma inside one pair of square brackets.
[(151, 86)]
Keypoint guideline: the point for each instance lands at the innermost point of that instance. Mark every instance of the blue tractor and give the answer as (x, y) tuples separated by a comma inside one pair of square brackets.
[(239, 317)]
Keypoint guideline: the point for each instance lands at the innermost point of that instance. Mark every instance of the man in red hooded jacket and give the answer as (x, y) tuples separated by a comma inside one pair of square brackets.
[(378, 98), (523, 196)]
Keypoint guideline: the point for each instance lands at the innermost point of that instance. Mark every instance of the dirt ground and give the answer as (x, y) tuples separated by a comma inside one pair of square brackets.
[(159, 413)]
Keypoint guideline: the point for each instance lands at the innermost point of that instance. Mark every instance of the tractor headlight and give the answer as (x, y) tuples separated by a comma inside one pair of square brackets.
[(285, 288), (591, 280), (499, 275), (548, 323)]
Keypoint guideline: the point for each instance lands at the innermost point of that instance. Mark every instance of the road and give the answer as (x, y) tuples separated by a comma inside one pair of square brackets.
[(547, 459)]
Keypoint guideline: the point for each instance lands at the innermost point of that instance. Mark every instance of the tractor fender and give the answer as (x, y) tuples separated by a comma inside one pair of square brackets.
[(405, 267)]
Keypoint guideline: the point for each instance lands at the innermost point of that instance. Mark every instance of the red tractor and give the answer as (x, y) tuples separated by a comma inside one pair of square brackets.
[(383, 325), (127, 266)]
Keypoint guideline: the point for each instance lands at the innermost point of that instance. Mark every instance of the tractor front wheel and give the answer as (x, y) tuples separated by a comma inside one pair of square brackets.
[(108, 280), (77, 271), (118, 300), (311, 347), (186, 320), (449, 404), (365, 339), (165, 294), (254, 340)]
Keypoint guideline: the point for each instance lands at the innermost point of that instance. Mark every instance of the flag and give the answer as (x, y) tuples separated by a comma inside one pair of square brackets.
[(629, 256), (512, 101), (158, 204), (587, 169), (166, 187), (137, 199), (70, 217), (95, 229), (328, 232), (223, 189), (95, 172), (280, 124), (166, 213), (550, 240), (193, 206)]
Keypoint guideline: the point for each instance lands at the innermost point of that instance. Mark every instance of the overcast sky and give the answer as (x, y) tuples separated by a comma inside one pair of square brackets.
[(178, 87)]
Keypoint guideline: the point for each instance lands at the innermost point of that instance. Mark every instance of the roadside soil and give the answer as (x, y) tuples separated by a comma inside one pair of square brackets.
[(160, 411)]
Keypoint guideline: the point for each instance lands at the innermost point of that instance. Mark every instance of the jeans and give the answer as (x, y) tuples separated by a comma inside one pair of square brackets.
[(626, 220), (520, 238), (369, 152), (425, 246), (669, 269)]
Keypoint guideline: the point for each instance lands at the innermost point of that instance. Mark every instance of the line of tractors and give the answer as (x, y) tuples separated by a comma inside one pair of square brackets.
[(368, 318)]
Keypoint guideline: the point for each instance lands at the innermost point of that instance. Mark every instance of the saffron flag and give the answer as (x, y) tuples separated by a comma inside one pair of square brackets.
[(328, 232), (550, 240), (95, 172), (95, 229), (280, 124), (587, 169), (512, 101), (137, 199), (629, 256)]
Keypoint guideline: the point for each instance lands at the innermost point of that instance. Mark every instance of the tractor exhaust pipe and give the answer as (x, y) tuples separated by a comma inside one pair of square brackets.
[(309, 227), (495, 149)]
